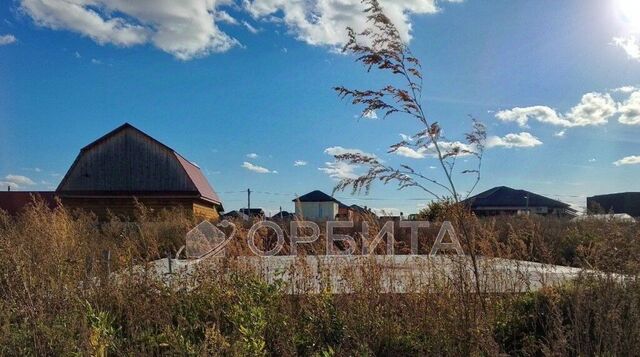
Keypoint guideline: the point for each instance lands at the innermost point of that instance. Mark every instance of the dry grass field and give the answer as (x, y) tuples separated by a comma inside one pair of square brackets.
[(61, 294)]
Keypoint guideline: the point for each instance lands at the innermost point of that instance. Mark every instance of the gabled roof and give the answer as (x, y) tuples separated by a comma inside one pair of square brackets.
[(204, 189), (503, 196), (316, 196)]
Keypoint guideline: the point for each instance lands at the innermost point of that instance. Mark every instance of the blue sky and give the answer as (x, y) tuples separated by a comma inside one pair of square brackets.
[(556, 83)]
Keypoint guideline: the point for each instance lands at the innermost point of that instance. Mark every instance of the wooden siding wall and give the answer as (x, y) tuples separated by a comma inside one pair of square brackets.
[(127, 161), (126, 206)]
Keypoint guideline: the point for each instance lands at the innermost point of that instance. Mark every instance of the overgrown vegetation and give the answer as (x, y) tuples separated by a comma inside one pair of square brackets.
[(58, 298)]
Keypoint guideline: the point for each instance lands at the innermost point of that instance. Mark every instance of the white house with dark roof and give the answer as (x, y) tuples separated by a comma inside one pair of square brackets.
[(317, 206)]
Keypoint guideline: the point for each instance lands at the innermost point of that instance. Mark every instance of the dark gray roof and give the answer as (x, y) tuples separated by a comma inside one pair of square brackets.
[(623, 202), (235, 214), (252, 211), (283, 214), (503, 196), (316, 196)]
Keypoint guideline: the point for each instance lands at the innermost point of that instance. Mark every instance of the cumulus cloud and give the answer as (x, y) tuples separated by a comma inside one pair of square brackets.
[(419, 153), (7, 39), (16, 181), (630, 110), (339, 170), (185, 28), (625, 89), (259, 169), (521, 140), (189, 28), (252, 155), (593, 109), (299, 163), (430, 150), (560, 134), (629, 160), (630, 45), (450, 146), (324, 22)]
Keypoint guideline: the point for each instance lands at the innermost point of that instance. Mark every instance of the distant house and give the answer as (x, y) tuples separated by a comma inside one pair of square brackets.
[(125, 164), (508, 201), (235, 215), (317, 206), (252, 212), (625, 202), (283, 215)]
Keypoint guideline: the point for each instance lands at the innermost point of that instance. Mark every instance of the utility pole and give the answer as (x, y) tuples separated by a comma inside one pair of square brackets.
[(527, 197), (249, 202)]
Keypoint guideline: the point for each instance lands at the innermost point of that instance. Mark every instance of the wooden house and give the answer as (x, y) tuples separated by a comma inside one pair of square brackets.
[(126, 165)]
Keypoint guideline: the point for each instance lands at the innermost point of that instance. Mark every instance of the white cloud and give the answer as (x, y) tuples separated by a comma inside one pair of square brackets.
[(324, 22), (592, 160), (255, 168), (224, 16), (189, 28), (19, 180), (339, 150), (299, 163), (630, 45), (449, 146), (521, 140), (593, 109), (420, 153), (625, 89), (629, 160), (5, 184), (250, 27), (252, 155), (430, 150), (339, 170), (560, 134), (185, 28), (630, 110), (406, 138), (96, 61), (7, 39)]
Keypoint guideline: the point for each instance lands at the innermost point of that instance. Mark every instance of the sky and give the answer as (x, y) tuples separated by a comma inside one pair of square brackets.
[(244, 89)]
